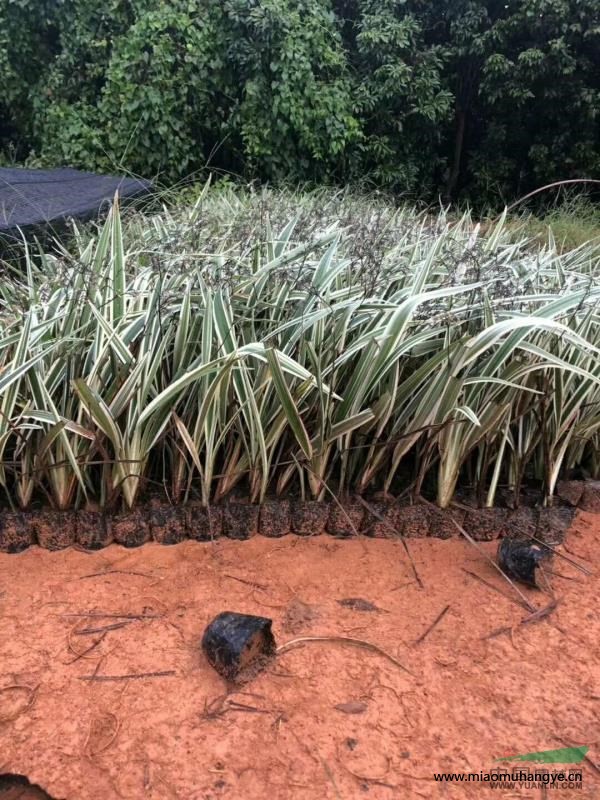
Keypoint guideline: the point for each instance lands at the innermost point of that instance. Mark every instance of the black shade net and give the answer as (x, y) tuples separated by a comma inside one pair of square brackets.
[(36, 197)]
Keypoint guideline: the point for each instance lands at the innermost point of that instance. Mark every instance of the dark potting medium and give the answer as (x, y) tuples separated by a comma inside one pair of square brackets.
[(275, 518), (553, 524), (16, 533), (519, 558), (167, 524), (377, 522), (570, 491), (240, 520), (590, 500), (234, 644), (486, 524), (94, 530), (309, 517), (130, 529), (54, 530), (523, 521), (346, 519), (412, 521), (204, 523), (441, 522)]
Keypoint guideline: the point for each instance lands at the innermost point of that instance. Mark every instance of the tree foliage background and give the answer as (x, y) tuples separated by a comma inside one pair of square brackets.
[(468, 98)]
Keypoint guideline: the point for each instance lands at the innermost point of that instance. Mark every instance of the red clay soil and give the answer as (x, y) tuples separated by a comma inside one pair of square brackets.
[(327, 719)]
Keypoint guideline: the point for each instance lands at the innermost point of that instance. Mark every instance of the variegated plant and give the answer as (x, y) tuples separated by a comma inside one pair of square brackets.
[(281, 342)]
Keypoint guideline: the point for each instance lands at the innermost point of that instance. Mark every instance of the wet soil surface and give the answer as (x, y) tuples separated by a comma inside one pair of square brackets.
[(327, 719)]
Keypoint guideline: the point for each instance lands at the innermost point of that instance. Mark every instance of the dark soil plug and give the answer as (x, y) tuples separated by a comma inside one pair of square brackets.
[(237, 644), (240, 520), (486, 524), (553, 524), (93, 530), (345, 520), (54, 530), (309, 518), (590, 500), (522, 522), (570, 492), (413, 521), (167, 524), (204, 523), (519, 558), (130, 529), (275, 518), (16, 532), (505, 498), (17, 787), (373, 525), (441, 525)]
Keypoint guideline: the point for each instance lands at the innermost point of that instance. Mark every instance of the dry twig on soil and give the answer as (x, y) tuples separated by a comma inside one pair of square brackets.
[(85, 652), (435, 622), (542, 613), (94, 751), (101, 615), (342, 640), (472, 541), (378, 781), (381, 518), (163, 674), (254, 584), (18, 687), (412, 563), (103, 629), (235, 706), (536, 616), (117, 572), (495, 588)]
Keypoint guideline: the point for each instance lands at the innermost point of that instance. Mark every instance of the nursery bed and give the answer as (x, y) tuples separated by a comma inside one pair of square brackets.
[(239, 520), (327, 719)]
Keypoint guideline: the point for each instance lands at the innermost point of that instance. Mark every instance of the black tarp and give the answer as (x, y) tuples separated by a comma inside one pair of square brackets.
[(37, 197)]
